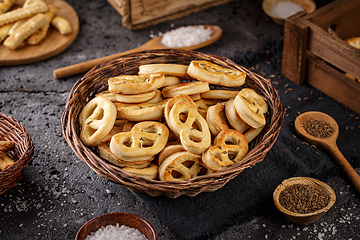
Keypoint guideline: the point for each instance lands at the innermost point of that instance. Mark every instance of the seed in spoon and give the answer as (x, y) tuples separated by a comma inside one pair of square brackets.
[(318, 128)]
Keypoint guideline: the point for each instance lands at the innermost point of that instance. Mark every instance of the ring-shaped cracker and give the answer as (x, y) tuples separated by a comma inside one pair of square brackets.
[(216, 119), (247, 106), (128, 98), (230, 146), (141, 112), (96, 120), (133, 84), (150, 171), (193, 131), (105, 153), (177, 70), (252, 133), (233, 117), (146, 139), (168, 150), (203, 105), (182, 166), (219, 94), (189, 88), (215, 74)]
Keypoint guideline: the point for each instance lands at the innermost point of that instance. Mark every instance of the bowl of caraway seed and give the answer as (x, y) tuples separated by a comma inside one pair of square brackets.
[(303, 200)]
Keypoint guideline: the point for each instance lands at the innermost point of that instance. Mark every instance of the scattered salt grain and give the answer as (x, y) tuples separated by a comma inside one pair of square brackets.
[(117, 232), (284, 9), (186, 36)]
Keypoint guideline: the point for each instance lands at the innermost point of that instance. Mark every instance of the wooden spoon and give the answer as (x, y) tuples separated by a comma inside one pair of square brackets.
[(329, 143), (154, 43)]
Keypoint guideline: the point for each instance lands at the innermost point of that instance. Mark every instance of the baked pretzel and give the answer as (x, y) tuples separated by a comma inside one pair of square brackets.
[(128, 98), (182, 166), (133, 84), (219, 94), (171, 80), (141, 111), (145, 140), (215, 74), (96, 120), (193, 131), (233, 117), (230, 146), (204, 104), (150, 172), (168, 150), (177, 70), (189, 88), (216, 118), (250, 107), (105, 153), (5, 161), (172, 101), (252, 133)]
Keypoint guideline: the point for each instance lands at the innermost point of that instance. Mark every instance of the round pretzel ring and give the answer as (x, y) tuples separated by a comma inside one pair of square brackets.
[(145, 140), (189, 88), (96, 120), (250, 107), (233, 117), (230, 146), (216, 119), (182, 166), (133, 84)]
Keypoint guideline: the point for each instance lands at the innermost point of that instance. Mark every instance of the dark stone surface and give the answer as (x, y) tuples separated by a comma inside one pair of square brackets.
[(59, 192)]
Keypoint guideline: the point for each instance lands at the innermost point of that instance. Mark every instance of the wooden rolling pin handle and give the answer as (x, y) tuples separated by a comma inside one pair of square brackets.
[(86, 66), (344, 165)]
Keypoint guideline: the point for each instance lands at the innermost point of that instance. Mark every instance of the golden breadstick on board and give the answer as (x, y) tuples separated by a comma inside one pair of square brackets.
[(4, 31), (23, 12), (40, 34), (61, 24), (28, 28)]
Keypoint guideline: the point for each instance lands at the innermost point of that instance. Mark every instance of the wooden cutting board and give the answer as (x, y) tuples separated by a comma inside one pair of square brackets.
[(53, 44)]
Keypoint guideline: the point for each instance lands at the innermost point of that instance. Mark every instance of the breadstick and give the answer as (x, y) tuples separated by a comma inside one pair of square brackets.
[(16, 25), (4, 31), (61, 24), (5, 161), (23, 12), (5, 5), (6, 145), (40, 34), (28, 28)]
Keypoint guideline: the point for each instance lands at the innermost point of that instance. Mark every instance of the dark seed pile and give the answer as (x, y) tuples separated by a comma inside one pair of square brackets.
[(301, 198), (318, 128)]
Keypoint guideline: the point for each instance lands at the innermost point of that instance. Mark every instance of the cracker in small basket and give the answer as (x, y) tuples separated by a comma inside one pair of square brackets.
[(6, 145), (5, 161)]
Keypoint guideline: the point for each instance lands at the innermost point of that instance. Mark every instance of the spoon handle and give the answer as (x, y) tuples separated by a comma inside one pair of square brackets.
[(86, 66), (344, 165)]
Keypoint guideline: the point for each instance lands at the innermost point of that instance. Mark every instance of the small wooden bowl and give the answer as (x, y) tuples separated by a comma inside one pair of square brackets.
[(127, 219), (299, 218), (308, 5)]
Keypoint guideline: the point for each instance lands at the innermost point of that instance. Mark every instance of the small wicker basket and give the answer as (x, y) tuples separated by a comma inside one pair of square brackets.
[(12, 130), (96, 81)]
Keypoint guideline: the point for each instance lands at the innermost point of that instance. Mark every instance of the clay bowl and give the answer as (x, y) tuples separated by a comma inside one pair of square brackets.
[(299, 218), (308, 5), (127, 219)]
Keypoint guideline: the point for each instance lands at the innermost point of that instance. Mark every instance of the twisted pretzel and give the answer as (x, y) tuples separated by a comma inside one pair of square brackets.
[(150, 171), (145, 140), (233, 117), (216, 119), (216, 74), (189, 88), (132, 84), (230, 146), (140, 112), (193, 131), (128, 98), (250, 107), (96, 120), (182, 166)]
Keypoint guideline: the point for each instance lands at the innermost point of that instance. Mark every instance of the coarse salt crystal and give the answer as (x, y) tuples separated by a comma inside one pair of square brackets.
[(186, 36), (284, 9), (116, 232)]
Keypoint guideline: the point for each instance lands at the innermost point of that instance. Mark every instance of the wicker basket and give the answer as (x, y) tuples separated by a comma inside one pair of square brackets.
[(12, 130), (96, 81)]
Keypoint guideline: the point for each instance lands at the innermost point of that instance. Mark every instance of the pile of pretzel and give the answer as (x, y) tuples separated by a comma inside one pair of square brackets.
[(156, 126), (30, 23), (5, 160)]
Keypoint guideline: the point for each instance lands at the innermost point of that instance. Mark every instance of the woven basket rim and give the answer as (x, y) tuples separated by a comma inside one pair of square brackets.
[(135, 183), (12, 130)]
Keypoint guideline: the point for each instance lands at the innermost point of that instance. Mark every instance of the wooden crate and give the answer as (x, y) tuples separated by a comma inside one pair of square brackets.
[(139, 14), (315, 51)]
